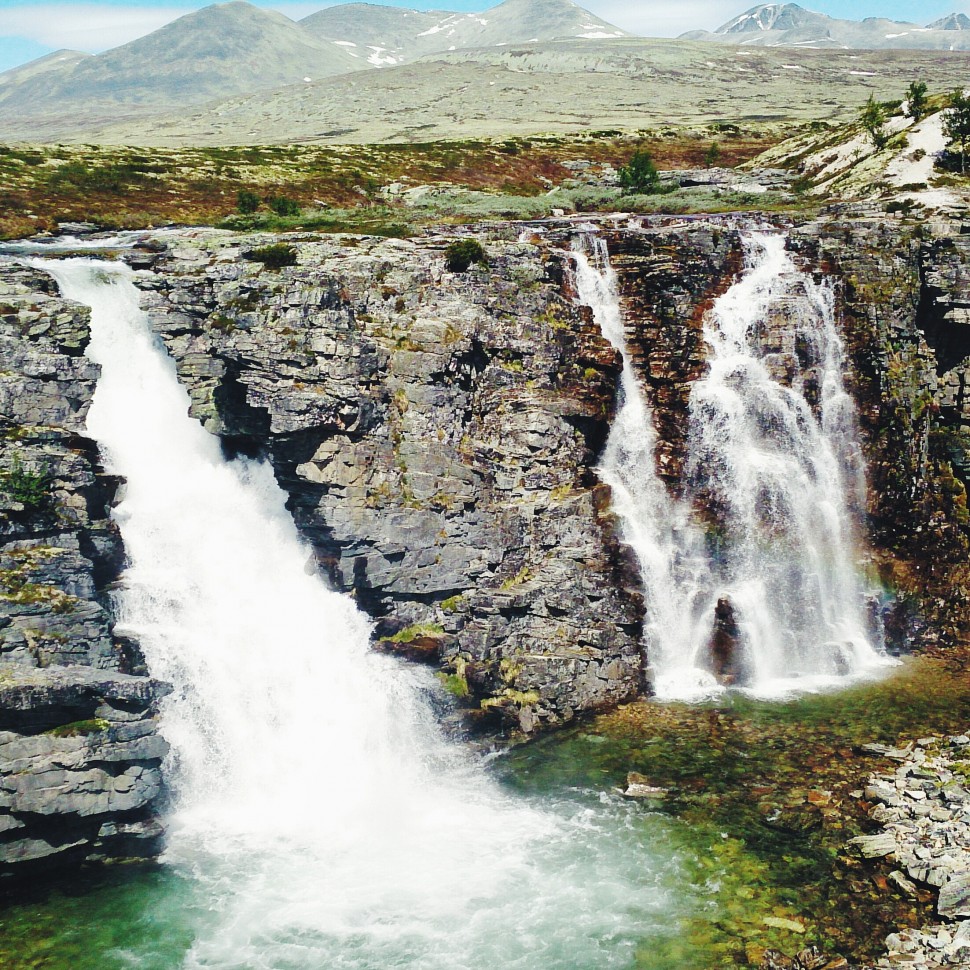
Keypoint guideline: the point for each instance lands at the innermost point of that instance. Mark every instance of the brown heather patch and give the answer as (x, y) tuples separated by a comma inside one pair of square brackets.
[(123, 187)]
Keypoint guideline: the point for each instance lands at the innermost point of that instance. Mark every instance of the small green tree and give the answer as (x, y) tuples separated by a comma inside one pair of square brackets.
[(873, 119), (956, 124), (640, 175), (462, 253), (712, 155), (916, 98), (31, 489), (247, 202)]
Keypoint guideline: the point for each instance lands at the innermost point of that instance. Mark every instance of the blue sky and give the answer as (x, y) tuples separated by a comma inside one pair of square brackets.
[(30, 28)]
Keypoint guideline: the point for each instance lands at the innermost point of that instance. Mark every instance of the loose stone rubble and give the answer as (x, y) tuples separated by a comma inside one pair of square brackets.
[(924, 807)]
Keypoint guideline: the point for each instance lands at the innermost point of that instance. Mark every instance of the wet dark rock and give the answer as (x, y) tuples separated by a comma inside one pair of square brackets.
[(640, 786), (669, 274)]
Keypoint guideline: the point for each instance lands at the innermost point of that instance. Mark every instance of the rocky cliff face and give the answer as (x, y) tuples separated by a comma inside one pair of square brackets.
[(669, 276), (437, 434), (79, 757), (904, 302), (904, 306)]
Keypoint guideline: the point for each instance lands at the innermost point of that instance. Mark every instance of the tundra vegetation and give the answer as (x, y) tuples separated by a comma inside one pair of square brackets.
[(331, 188)]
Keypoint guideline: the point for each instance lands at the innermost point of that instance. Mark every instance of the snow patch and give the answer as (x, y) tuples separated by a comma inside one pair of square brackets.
[(440, 26), (863, 73), (377, 58), (345, 43)]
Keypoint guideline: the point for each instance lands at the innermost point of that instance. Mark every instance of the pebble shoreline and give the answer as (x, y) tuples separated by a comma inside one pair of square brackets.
[(924, 808)]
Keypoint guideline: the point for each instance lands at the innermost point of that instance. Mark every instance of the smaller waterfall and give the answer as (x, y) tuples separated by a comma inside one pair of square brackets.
[(669, 546), (764, 543)]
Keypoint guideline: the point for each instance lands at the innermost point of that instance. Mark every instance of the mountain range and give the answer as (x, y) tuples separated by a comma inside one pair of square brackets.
[(231, 48), (789, 25), (233, 73)]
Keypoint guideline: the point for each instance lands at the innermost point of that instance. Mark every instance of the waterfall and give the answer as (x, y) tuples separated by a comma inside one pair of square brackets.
[(774, 561), (319, 819)]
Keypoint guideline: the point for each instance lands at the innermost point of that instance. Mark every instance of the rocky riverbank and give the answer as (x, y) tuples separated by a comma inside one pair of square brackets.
[(924, 810)]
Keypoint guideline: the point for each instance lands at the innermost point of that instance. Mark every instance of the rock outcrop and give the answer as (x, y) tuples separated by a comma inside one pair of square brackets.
[(79, 757), (437, 434)]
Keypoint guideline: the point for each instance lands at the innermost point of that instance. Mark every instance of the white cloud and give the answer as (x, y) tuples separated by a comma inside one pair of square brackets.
[(661, 18), (83, 26)]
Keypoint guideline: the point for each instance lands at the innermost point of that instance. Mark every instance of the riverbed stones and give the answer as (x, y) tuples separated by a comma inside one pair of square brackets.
[(929, 836)]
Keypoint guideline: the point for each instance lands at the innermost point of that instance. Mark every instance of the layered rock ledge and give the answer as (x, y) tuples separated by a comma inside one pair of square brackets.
[(437, 434), (80, 759)]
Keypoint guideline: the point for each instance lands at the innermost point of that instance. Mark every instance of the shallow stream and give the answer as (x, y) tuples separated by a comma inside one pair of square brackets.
[(746, 851)]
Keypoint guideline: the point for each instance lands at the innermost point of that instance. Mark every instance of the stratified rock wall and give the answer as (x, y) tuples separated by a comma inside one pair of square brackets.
[(437, 434), (904, 299), (79, 757)]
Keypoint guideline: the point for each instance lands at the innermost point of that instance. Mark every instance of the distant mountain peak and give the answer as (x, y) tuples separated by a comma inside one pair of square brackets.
[(952, 21), (769, 16), (395, 35)]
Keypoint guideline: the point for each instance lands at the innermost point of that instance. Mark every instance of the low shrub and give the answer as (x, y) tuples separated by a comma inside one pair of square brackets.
[(283, 205), (275, 256), (247, 202), (462, 253)]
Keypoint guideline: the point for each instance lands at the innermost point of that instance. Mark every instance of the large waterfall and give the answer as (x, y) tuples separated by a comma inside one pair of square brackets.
[(319, 819), (773, 563)]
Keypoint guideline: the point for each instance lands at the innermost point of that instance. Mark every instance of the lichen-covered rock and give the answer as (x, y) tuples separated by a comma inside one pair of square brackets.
[(437, 434)]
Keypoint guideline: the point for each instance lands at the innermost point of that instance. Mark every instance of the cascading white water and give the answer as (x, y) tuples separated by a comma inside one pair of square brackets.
[(786, 482), (319, 819)]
